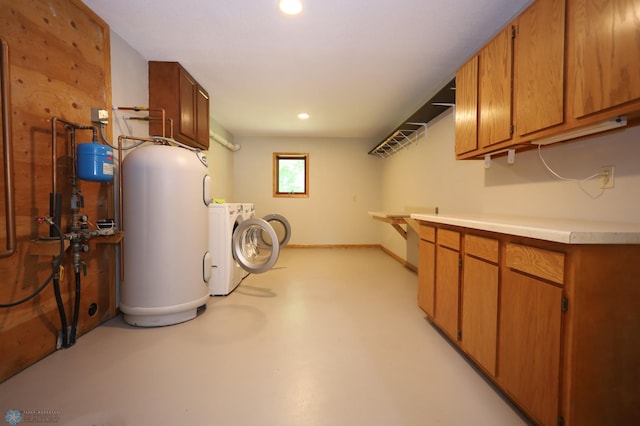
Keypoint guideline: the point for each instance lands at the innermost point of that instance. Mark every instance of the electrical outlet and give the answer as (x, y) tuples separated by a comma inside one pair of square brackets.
[(606, 177), (99, 115)]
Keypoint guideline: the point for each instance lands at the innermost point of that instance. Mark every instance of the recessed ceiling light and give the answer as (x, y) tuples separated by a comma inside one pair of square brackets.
[(303, 116), (291, 7)]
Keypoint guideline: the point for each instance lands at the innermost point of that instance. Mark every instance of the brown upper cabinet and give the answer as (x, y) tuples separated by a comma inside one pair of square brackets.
[(577, 50), (494, 86), (467, 107), (518, 84), (539, 67), (605, 57), (185, 101)]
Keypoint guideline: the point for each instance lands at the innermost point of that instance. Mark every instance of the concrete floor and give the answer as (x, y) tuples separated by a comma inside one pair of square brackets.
[(329, 337)]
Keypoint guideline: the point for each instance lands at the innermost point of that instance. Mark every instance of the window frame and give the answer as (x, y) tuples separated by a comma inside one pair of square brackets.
[(277, 156)]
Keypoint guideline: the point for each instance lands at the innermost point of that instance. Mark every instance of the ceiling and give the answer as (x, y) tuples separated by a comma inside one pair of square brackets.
[(358, 67)]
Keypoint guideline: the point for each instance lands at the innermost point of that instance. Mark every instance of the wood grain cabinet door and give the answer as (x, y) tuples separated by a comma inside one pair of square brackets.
[(427, 269), (202, 116), (447, 292), (539, 67), (467, 107), (185, 102), (187, 99), (495, 90), (531, 329), (604, 55), (426, 276), (479, 317)]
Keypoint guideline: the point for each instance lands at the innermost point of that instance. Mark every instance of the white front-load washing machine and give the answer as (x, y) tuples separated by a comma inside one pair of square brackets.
[(239, 243)]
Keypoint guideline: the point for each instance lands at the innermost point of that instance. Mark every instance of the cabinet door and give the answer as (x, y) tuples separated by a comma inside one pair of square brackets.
[(479, 318), (447, 290), (539, 66), (529, 353), (426, 276), (202, 120), (187, 100), (496, 78), (467, 107), (605, 55)]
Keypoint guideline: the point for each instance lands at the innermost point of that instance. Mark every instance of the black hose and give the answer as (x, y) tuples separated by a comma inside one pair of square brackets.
[(61, 311), (54, 271), (76, 311)]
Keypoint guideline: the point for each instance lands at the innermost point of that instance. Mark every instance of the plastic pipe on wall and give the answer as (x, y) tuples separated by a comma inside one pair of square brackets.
[(222, 141)]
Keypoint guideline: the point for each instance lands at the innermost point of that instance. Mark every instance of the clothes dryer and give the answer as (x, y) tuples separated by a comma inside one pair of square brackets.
[(239, 243), (247, 211)]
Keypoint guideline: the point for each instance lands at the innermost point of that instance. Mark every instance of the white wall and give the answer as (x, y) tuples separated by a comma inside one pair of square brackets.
[(344, 185), (129, 87), (220, 160), (428, 174)]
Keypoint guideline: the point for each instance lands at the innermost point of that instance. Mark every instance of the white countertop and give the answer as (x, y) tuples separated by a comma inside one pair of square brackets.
[(558, 230), (387, 215)]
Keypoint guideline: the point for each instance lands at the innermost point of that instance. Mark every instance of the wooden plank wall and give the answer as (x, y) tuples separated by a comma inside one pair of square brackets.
[(59, 66)]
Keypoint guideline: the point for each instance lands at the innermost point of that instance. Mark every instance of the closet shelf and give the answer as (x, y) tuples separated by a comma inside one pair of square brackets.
[(415, 126), (408, 134)]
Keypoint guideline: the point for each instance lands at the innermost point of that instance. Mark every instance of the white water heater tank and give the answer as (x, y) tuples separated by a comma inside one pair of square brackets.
[(167, 265)]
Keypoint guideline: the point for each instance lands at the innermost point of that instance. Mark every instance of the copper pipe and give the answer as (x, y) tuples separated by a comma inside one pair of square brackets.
[(54, 150), (168, 120), (143, 108), (54, 163), (120, 205), (54, 147), (7, 146)]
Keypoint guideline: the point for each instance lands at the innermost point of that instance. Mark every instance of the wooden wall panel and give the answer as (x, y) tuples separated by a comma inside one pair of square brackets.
[(60, 67)]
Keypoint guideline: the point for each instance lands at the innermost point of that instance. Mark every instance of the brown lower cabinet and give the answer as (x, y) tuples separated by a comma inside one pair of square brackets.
[(479, 318), (555, 326), (530, 343), (427, 269), (447, 281)]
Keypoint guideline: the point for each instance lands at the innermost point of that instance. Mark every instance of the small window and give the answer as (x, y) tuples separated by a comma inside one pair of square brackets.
[(290, 174)]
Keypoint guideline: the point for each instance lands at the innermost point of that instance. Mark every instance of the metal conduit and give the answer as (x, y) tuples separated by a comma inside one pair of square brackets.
[(7, 148)]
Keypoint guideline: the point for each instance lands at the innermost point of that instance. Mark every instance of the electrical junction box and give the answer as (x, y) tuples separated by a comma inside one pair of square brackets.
[(99, 115)]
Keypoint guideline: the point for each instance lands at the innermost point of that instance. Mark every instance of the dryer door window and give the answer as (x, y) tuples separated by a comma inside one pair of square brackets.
[(281, 225), (250, 248)]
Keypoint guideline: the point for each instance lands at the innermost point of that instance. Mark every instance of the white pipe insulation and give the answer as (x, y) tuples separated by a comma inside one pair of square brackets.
[(222, 141)]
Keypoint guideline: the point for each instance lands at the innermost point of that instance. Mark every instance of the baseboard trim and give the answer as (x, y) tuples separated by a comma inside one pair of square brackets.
[(379, 246), (399, 259), (333, 246)]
